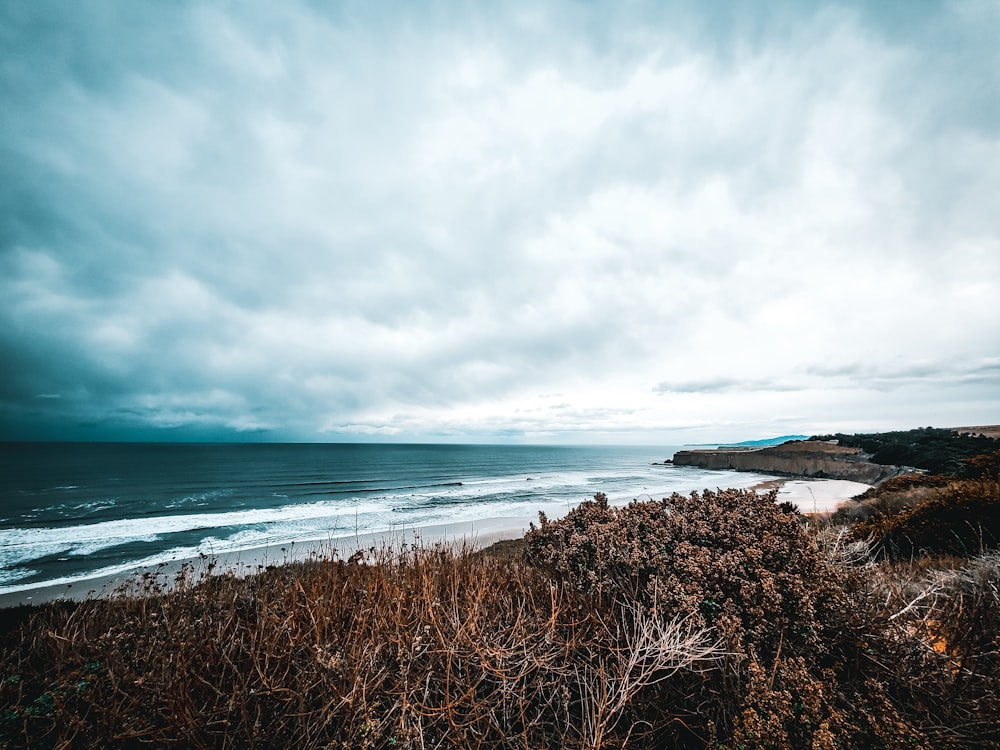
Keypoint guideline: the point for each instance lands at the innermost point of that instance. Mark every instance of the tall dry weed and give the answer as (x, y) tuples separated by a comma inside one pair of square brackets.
[(430, 648)]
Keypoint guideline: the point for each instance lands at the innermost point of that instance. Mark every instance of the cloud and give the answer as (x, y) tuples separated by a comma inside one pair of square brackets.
[(983, 372), (722, 385), (302, 222)]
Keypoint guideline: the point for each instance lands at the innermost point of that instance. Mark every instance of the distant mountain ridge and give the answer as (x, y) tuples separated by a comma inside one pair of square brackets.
[(762, 443), (765, 442)]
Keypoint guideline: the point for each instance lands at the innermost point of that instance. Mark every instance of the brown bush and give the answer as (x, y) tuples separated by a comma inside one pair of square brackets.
[(793, 621), (890, 497), (984, 467), (960, 518), (734, 559), (934, 646), (826, 648)]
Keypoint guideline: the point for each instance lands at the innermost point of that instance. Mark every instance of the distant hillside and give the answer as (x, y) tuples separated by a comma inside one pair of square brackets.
[(990, 430), (938, 451), (868, 458), (763, 443)]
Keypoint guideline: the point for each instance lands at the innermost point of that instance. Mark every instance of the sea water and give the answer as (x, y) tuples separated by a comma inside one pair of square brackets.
[(70, 511)]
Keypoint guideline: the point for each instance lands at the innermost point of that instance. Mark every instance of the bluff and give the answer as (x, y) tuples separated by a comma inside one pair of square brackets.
[(801, 458)]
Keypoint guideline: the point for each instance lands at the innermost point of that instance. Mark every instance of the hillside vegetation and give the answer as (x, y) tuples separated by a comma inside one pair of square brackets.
[(938, 451), (932, 514)]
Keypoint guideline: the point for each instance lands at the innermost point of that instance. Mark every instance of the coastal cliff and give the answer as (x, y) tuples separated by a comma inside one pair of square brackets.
[(801, 458)]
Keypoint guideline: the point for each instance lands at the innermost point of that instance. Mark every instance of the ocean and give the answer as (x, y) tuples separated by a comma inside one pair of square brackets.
[(72, 511)]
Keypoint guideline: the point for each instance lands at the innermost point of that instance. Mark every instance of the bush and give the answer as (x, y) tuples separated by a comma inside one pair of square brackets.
[(937, 643), (734, 559), (890, 497), (748, 568), (431, 648), (961, 518), (985, 467)]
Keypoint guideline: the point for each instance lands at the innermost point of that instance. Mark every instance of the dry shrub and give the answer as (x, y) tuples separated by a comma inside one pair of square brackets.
[(902, 483), (938, 646), (789, 707), (734, 559), (962, 518), (985, 467), (748, 568), (826, 648), (890, 497), (884, 506)]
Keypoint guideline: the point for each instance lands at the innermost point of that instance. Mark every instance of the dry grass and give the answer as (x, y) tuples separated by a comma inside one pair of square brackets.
[(940, 643), (990, 431), (432, 648)]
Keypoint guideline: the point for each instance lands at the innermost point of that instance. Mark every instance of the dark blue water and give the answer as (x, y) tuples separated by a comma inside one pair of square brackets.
[(71, 510)]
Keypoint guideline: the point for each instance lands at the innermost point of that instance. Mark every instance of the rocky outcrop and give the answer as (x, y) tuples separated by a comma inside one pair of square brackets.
[(800, 458)]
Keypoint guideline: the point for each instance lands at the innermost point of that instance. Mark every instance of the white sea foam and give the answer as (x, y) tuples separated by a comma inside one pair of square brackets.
[(23, 544), (221, 530), (8, 576), (147, 563), (321, 518)]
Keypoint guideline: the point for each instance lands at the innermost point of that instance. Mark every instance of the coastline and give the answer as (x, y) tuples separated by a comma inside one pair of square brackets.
[(247, 561), (811, 496)]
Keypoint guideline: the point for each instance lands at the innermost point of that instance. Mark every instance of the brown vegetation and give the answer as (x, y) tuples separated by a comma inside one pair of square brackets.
[(714, 620), (990, 431), (919, 514)]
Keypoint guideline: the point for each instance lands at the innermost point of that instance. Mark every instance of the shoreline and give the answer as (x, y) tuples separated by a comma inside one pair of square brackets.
[(811, 496), (814, 496), (251, 560)]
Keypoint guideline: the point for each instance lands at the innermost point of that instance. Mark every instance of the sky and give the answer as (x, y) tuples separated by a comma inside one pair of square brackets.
[(529, 222)]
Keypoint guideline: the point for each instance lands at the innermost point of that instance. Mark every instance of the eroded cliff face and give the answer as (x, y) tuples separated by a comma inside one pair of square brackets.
[(801, 458)]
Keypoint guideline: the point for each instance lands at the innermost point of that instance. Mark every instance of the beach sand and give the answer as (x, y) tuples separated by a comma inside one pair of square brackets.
[(818, 495), (809, 495)]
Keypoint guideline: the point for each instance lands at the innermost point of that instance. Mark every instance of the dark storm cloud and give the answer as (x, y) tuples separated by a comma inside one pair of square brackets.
[(302, 221)]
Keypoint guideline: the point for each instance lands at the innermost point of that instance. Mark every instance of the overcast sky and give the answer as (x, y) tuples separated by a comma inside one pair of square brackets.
[(534, 222)]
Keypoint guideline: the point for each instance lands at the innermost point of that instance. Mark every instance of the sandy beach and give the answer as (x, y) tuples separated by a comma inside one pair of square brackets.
[(809, 495), (815, 495)]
